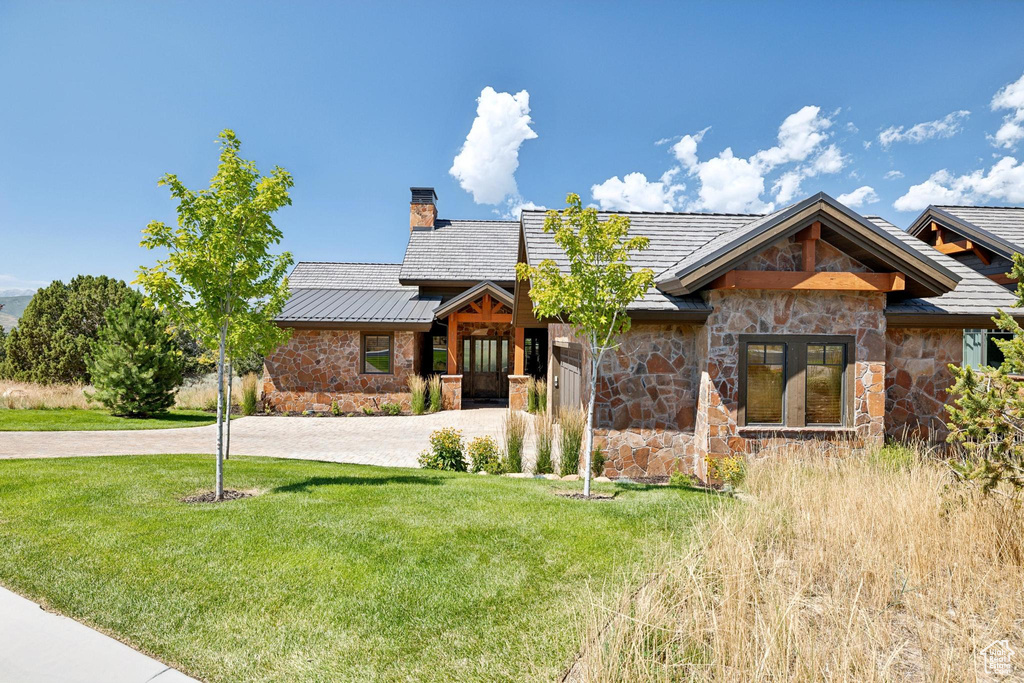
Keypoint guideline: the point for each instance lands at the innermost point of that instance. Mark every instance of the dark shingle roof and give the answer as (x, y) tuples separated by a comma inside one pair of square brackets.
[(354, 293), (974, 295), (672, 236), (1005, 223), (462, 251)]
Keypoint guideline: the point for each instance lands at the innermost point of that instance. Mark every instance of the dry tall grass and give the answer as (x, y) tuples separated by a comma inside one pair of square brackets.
[(837, 569)]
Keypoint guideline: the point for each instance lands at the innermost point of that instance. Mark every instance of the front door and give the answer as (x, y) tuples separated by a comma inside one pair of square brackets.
[(485, 367)]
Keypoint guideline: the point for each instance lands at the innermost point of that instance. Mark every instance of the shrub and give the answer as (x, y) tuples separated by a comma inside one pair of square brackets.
[(681, 480), (250, 389), (445, 451), (335, 409), (572, 423), (135, 364), (436, 398), (484, 455), (418, 389), (367, 410), (597, 462), (390, 409), (542, 396), (531, 395), (893, 457), (544, 432), (731, 470), (514, 434)]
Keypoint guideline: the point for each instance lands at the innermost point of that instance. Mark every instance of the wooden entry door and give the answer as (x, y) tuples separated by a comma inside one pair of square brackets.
[(568, 378), (485, 367)]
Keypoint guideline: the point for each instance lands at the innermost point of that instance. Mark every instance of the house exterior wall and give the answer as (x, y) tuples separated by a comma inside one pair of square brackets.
[(318, 367), (917, 375)]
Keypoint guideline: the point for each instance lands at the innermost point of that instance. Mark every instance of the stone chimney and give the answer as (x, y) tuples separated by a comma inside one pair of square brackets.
[(423, 208)]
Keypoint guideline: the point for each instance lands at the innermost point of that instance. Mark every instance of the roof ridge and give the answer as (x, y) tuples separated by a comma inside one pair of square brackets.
[(973, 206), (351, 263), (477, 220), (668, 213)]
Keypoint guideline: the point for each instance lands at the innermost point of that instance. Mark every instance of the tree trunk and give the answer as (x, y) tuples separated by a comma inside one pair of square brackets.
[(220, 413), (227, 427), (589, 447)]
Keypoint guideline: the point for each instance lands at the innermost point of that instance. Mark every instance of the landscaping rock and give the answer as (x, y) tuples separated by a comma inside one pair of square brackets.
[(571, 477), (518, 475), (482, 472), (553, 477), (603, 480)]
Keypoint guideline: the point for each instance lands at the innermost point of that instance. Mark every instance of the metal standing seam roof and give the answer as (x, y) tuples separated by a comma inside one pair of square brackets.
[(462, 251), (672, 236), (354, 293)]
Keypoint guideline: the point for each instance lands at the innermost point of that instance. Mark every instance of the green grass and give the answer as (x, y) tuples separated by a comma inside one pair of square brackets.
[(334, 572), (62, 420)]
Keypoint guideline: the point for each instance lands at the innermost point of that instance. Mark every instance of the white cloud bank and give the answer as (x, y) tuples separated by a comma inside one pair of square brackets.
[(1004, 181), (486, 165), (859, 197), (1010, 96), (946, 127), (728, 183)]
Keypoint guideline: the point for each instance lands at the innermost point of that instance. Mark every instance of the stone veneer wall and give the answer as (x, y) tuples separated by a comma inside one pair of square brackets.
[(451, 392), (917, 375), (517, 394), (317, 367)]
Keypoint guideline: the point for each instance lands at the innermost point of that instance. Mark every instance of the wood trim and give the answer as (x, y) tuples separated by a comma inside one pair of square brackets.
[(801, 280), (982, 256), (519, 358), (1003, 279), (809, 236), (484, 317), (957, 247), (453, 342)]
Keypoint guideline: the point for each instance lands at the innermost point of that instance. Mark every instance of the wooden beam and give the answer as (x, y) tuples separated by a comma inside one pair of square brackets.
[(982, 256), (809, 236), (1002, 279), (811, 232), (487, 306), (784, 279), (958, 247), (519, 359), (484, 318), (453, 343)]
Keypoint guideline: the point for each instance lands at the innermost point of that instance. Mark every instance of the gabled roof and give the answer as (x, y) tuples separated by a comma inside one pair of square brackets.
[(472, 294), (355, 295), (974, 301), (462, 253), (997, 228), (671, 235), (842, 227)]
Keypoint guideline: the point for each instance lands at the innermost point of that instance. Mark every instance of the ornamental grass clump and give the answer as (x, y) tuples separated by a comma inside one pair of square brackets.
[(542, 396), (434, 385), (514, 434), (445, 451), (418, 389), (531, 395), (250, 393), (544, 434), (484, 455), (572, 425)]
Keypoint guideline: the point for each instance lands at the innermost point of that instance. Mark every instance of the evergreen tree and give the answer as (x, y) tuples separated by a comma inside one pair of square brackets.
[(136, 362)]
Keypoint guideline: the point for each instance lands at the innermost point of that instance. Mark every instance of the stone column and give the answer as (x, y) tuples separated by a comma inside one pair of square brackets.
[(451, 391), (517, 392)]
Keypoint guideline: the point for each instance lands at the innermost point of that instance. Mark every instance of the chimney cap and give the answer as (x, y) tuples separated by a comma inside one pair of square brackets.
[(423, 195)]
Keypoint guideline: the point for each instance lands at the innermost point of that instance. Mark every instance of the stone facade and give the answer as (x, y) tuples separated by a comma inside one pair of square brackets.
[(318, 367), (917, 375), (451, 392), (517, 395)]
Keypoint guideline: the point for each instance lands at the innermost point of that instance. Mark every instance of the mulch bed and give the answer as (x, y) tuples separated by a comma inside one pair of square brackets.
[(577, 495), (211, 496)]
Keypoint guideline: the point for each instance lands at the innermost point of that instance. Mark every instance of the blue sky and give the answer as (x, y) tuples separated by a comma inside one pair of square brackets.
[(360, 101)]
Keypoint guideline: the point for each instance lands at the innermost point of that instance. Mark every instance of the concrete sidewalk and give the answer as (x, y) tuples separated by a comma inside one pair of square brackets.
[(37, 646)]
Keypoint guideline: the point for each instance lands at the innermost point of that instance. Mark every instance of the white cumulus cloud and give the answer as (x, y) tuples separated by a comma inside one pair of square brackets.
[(486, 165), (1010, 96), (1004, 181), (859, 197), (635, 193), (946, 127)]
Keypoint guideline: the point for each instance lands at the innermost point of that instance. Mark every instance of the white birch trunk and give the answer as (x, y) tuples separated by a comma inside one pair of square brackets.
[(220, 412), (227, 426), (589, 444)]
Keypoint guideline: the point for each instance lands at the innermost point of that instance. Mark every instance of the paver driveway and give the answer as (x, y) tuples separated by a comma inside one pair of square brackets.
[(390, 441)]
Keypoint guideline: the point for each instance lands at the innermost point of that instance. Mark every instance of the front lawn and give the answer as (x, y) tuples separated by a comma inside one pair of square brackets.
[(334, 572), (69, 419)]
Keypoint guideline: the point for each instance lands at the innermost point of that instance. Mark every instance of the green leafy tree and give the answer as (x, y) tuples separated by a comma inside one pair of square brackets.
[(219, 280), (135, 363), (987, 415), (593, 295), (56, 332), (3, 349)]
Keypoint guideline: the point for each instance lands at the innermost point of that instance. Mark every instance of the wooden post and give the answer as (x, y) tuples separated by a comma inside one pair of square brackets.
[(453, 343), (809, 236), (520, 353)]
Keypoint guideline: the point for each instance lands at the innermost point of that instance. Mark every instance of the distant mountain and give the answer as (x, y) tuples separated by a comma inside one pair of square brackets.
[(14, 306), (16, 292)]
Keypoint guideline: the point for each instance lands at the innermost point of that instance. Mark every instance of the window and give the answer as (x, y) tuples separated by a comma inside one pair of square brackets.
[(377, 354), (795, 381), (440, 363), (980, 348)]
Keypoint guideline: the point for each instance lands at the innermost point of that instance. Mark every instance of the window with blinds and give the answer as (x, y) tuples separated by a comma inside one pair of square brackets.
[(766, 372), (823, 395)]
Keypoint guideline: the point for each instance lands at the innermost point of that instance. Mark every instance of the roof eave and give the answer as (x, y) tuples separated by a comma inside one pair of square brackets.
[(987, 239)]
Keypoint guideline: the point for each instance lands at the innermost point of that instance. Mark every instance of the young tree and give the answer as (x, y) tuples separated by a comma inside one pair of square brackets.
[(135, 363), (987, 415), (57, 330), (219, 280), (593, 295)]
